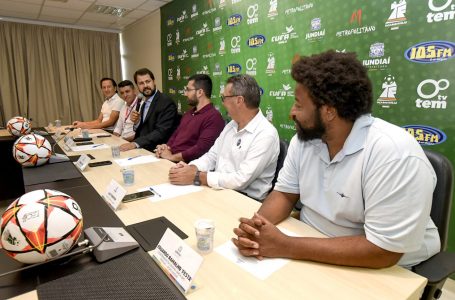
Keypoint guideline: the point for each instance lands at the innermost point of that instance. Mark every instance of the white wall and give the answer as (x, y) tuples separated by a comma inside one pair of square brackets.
[(141, 43)]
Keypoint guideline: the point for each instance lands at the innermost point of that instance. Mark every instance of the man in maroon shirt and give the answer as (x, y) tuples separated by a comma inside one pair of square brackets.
[(199, 127)]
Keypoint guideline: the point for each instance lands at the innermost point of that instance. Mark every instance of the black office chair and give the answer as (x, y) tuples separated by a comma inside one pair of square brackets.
[(279, 164), (440, 266)]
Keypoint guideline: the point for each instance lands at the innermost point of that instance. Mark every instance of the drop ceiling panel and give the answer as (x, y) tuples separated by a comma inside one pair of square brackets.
[(76, 12)]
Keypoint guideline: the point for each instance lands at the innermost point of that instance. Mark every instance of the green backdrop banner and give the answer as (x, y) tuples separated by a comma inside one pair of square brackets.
[(408, 47)]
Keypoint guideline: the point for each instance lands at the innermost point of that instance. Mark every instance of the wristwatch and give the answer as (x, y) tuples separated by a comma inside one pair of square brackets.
[(197, 180)]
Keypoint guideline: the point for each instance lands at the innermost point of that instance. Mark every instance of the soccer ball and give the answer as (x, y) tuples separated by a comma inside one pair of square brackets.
[(40, 225), (18, 126), (32, 150)]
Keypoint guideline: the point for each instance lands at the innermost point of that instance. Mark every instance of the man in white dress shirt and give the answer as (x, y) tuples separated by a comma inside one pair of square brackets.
[(244, 156), (109, 111), (124, 127)]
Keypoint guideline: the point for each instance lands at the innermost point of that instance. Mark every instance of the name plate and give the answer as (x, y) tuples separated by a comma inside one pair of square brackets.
[(178, 261), (114, 194), (69, 143), (82, 162)]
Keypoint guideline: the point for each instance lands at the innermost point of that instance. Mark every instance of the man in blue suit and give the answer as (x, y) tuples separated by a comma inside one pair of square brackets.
[(156, 116)]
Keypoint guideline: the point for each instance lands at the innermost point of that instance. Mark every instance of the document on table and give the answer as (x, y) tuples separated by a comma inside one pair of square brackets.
[(261, 269), (89, 147), (136, 160), (166, 191)]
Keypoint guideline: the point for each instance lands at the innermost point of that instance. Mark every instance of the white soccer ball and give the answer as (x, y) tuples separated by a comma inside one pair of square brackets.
[(32, 150), (40, 225), (18, 126)]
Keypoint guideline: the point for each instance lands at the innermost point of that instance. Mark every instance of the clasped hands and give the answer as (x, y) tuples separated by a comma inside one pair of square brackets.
[(259, 238), (163, 151), (182, 173)]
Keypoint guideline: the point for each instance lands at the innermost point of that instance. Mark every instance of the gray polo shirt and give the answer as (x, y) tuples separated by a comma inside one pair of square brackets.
[(379, 185)]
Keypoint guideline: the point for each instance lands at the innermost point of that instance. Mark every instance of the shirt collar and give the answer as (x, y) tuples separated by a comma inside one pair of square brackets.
[(358, 135), (202, 110), (252, 124), (112, 97)]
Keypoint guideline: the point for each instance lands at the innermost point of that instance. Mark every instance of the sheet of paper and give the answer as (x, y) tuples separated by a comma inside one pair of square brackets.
[(166, 191), (94, 135), (136, 160), (261, 269), (89, 147)]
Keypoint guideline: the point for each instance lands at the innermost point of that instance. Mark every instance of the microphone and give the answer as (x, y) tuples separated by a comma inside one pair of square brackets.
[(57, 157), (140, 100), (84, 250)]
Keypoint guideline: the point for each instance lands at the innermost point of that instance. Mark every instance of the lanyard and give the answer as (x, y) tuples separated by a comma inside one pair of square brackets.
[(128, 111)]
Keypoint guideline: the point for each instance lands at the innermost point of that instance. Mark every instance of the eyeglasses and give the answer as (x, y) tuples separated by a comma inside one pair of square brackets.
[(230, 96), (186, 89)]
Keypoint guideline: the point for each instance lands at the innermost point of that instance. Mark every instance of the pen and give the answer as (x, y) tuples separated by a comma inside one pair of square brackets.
[(134, 157), (153, 191), (94, 146)]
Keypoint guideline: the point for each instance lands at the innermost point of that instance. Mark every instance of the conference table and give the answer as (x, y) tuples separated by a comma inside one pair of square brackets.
[(219, 278)]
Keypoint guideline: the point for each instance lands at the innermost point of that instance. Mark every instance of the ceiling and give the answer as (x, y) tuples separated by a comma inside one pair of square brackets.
[(77, 13)]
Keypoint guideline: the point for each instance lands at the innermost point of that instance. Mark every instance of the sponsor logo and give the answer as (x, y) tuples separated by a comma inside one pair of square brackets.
[(236, 1), (397, 16), (222, 49), (235, 44), (280, 94), (251, 66), (182, 17), (172, 91), (170, 74), (286, 71), (205, 29), (256, 41), (217, 71), (426, 135), (222, 4), (209, 53), (188, 72), (217, 25), (356, 20), (194, 12), (270, 64), (377, 61), (234, 20), (170, 22), (169, 39), (188, 35), (389, 90), (430, 52), (283, 38), (252, 13), (269, 114), (273, 9), (205, 70), (234, 69), (178, 73), (195, 53), (316, 33), (171, 57), (288, 126), (183, 55), (298, 9), (177, 37), (441, 13), (429, 93)]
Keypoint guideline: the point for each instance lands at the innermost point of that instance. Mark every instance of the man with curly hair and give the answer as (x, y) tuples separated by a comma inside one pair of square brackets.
[(363, 182)]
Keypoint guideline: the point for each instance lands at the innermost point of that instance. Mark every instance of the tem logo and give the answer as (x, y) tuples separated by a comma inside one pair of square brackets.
[(426, 135)]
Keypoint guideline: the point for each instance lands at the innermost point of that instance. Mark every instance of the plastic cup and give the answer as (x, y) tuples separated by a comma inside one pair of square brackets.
[(58, 123), (128, 176), (205, 230), (115, 149), (85, 134)]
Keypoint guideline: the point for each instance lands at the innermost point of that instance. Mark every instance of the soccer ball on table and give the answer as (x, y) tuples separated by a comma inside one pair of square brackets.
[(40, 225), (18, 126), (32, 150)]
